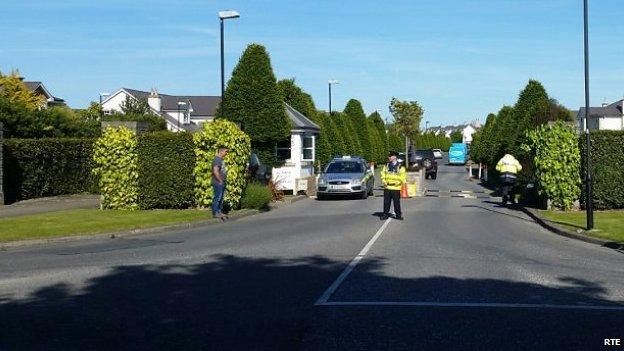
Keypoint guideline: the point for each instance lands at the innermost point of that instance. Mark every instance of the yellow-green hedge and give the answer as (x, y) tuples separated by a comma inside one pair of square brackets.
[(212, 135), (116, 159)]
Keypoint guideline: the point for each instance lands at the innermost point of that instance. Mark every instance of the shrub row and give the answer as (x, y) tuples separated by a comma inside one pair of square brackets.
[(607, 158), (166, 162), (47, 167)]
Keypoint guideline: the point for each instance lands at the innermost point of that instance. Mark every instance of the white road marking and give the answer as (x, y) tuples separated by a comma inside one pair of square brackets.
[(469, 304), (327, 294)]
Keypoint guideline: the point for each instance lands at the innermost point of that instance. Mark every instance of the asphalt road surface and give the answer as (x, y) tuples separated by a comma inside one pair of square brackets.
[(457, 273)]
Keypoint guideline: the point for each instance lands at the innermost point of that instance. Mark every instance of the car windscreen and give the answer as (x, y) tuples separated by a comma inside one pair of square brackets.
[(345, 167)]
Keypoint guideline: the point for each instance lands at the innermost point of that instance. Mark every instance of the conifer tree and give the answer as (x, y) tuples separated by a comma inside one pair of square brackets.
[(253, 100)]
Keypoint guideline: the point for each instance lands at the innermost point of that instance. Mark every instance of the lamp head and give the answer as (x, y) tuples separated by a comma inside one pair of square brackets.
[(228, 14)]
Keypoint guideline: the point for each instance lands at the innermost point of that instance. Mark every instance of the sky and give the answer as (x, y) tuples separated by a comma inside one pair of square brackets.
[(460, 59)]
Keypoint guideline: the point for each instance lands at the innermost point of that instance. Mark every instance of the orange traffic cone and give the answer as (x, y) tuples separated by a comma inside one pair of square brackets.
[(404, 193)]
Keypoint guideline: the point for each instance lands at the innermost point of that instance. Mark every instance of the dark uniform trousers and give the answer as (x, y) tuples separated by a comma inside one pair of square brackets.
[(395, 197)]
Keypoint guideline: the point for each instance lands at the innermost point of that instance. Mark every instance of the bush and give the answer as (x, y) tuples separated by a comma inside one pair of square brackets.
[(607, 158), (556, 159), (155, 123), (115, 156), (212, 135), (165, 164), (47, 167), (257, 196)]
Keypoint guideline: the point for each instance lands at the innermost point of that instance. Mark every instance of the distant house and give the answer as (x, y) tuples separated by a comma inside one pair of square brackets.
[(39, 89), (606, 117), (182, 112), (467, 131)]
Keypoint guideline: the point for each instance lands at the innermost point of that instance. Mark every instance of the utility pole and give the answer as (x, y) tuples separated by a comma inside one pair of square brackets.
[(589, 206)]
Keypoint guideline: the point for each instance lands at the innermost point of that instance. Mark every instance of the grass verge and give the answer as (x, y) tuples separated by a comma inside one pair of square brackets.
[(609, 225), (91, 221)]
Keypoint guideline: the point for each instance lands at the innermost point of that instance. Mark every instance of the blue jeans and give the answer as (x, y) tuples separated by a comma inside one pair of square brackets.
[(218, 191)]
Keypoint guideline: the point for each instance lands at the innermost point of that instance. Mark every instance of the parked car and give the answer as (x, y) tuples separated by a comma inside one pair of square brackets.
[(345, 175), (437, 153), (426, 159)]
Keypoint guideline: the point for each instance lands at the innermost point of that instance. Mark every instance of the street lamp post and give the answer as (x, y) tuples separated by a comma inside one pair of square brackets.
[(330, 82), (223, 15), (426, 126), (101, 110), (589, 206)]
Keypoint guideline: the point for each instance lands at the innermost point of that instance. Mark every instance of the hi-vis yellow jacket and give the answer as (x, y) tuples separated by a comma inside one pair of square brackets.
[(393, 180), (508, 164)]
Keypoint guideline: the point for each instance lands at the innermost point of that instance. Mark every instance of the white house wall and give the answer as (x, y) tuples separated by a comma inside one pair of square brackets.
[(114, 102), (610, 123)]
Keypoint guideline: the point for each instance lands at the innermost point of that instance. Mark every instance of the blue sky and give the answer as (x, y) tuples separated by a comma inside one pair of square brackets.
[(461, 59)]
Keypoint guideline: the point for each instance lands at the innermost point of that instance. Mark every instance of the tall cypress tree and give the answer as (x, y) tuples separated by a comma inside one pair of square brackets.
[(377, 123), (253, 100), (355, 113), (296, 97)]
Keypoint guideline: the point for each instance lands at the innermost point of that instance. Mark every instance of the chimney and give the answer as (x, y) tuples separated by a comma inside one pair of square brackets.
[(154, 100), (605, 103)]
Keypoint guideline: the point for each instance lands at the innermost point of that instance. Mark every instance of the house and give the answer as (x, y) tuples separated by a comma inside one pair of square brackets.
[(39, 89), (606, 117), (297, 154), (187, 113), (467, 130), (182, 112)]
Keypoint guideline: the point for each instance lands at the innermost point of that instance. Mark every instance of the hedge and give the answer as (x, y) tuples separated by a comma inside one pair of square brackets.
[(607, 157), (222, 133), (116, 164), (256, 196), (166, 162), (47, 167)]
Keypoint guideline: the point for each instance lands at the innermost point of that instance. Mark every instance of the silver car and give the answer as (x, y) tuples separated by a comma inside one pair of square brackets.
[(345, 176)]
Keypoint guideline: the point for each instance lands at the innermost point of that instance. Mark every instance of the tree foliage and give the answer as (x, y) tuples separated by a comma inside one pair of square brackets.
[(116, 160), (132, 106), (556, 156), (355, 113), (254, 101), (221, 133), (296, 97), (457, 136), (20, 121), (15, 91), (407, 116), (377, 127)]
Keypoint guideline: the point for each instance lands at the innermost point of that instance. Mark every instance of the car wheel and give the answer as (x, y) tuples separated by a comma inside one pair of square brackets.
[(427, 163), (320, 197)]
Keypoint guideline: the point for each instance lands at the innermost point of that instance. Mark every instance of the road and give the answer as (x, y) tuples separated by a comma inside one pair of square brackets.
[(458, 273)]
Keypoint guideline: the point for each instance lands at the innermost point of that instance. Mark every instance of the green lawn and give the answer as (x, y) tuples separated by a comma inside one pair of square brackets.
[(90, 221), (608, 224)]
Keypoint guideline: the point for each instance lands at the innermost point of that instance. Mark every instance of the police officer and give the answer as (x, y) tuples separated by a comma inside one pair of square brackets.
[(392, 177), (508, 167)]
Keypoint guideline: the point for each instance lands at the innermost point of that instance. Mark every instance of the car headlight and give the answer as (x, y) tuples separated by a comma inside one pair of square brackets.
[(321, 181), (356, 181)]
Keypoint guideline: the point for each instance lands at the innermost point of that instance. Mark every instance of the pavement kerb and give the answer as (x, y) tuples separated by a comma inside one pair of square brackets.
[(556, 229), (125, 233), (143, 231)]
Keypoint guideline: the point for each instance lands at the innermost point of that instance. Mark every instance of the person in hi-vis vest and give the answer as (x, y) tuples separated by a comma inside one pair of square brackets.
[(393, 176), (508, 167)]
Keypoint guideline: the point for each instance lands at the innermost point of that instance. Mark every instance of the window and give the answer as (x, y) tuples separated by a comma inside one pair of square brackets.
[(308, 148), (282, 150), (187, 117)]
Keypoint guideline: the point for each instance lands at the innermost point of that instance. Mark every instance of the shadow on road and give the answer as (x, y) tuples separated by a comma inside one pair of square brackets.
[(264, 303)]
